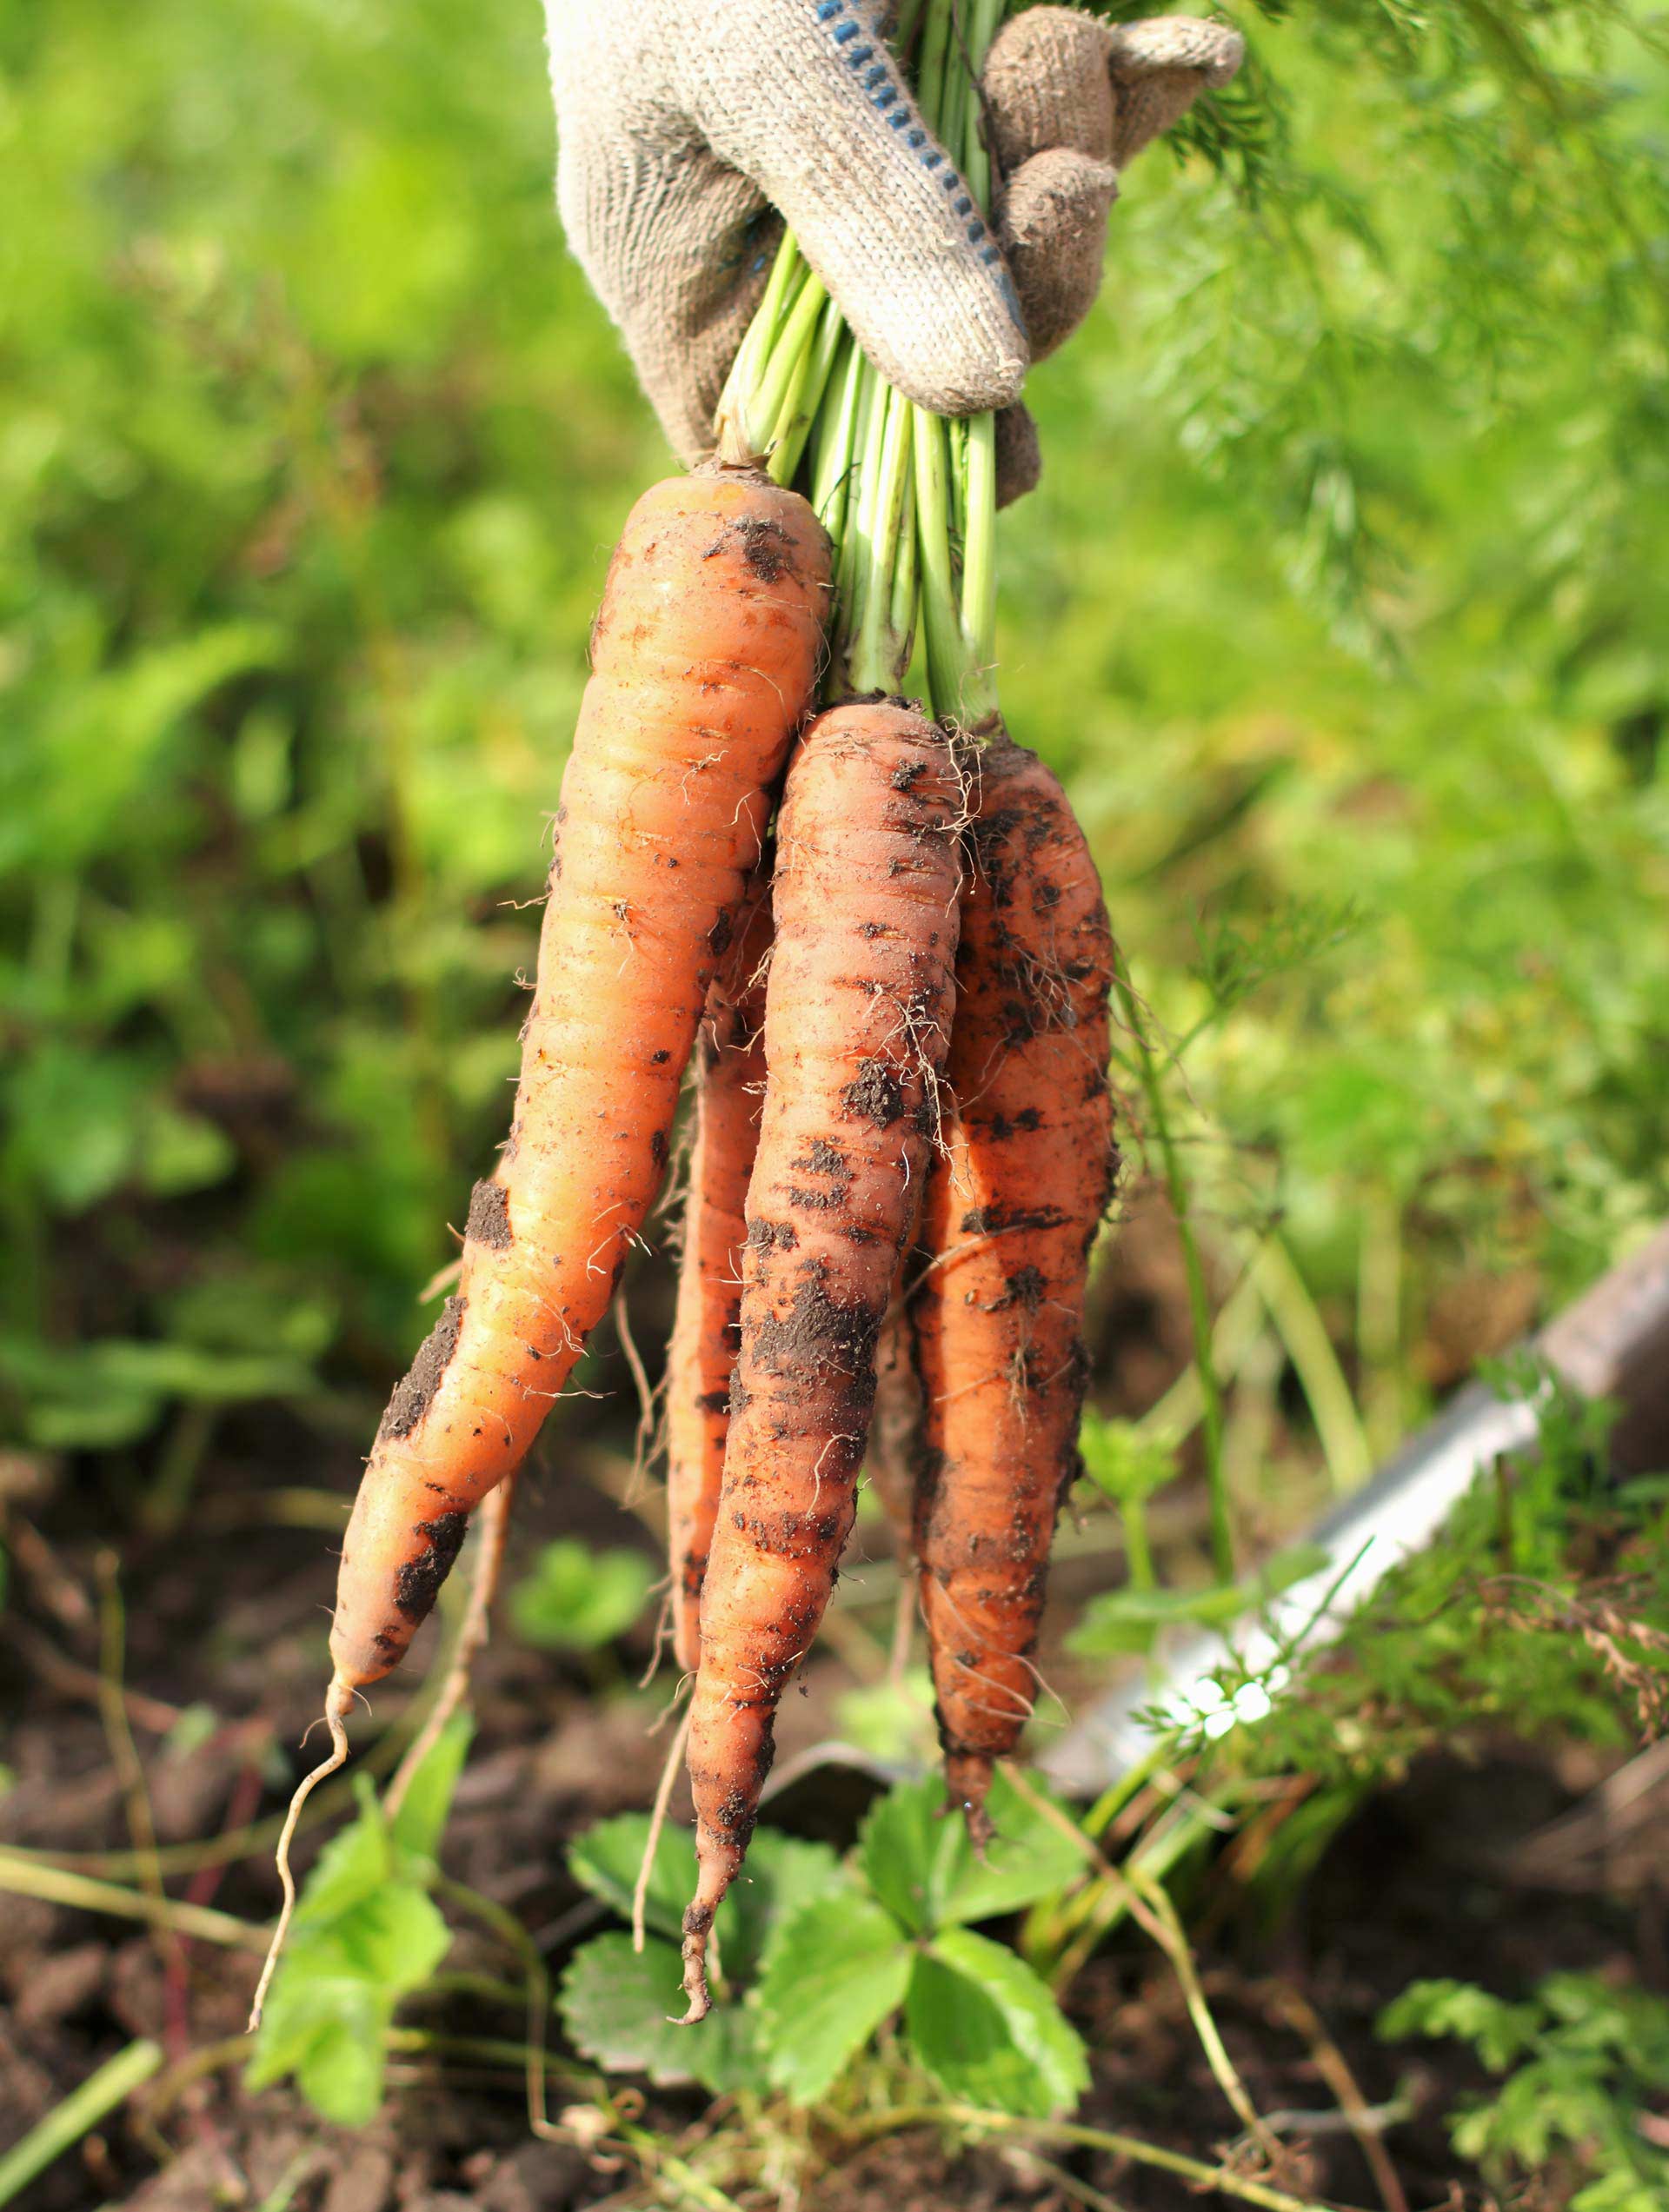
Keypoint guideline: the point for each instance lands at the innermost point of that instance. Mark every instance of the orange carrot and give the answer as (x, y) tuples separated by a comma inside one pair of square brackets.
[(857, 1018), (1012, 1206), (703, 658), (729, 1087)]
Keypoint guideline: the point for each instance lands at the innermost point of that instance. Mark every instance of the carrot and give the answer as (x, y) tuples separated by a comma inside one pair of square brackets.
[(1013, 1207), (857, 1018), (703, 657), (730, 1082)]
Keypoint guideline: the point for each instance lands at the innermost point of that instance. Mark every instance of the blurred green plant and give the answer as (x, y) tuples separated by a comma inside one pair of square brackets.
[(1582, 2064), (314, 447), (366, 1934), (577, 1600)]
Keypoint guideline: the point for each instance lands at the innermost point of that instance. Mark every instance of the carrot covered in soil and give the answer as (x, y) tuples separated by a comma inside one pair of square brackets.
[(1012, 1206), (706, 1334), (857, 1021), (703, 658)]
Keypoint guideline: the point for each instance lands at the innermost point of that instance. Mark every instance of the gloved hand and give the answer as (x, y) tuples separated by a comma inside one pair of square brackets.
[(681, 129)]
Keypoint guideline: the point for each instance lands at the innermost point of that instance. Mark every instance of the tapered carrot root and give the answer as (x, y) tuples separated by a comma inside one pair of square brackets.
[(1013, 1207), (858, 1015), (706, 1335), (703, 658)]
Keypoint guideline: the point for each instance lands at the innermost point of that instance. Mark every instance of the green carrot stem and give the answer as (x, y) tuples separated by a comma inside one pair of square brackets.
[(804, 403), (941, 626), (1138, 1551), (872, 655), (909, 500), (851, 568), (832, 439), (902, 614), (785, 372), (741, 425), (935, 52)]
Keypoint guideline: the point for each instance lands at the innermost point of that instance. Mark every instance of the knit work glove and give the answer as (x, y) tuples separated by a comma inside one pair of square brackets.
[(683, 130)]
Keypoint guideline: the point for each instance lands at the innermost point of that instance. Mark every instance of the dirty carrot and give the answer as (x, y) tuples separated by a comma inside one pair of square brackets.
[(857, 1020), (1012, 1206), (703, 658), (729, 1088)]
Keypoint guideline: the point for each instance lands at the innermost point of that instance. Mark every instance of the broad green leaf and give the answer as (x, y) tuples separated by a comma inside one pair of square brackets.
[(781, 1872), (182, 1151), (833, 1972), (904, 1842), (919, 1862), (355, 1865), (341, 2072), (621, 2008), (418, 1826), (366, 1933), (606, 1860), (577, 1599), (988, 2030), (335, 1994), (782, 1875)]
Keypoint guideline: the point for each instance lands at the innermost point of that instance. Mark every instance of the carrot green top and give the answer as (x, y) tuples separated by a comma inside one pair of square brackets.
[(909, 497)]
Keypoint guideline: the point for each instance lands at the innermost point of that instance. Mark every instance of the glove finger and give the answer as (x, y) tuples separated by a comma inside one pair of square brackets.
[(809, 104), (1046, 83), (1052, 224), (1019, 456), (1057, 77), (1158, 67)]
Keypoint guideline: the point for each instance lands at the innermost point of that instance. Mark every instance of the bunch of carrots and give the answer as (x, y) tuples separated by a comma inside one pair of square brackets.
[(897, 1007)]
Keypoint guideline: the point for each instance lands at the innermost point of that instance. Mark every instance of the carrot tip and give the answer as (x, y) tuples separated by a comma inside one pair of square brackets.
[(695, 1981)]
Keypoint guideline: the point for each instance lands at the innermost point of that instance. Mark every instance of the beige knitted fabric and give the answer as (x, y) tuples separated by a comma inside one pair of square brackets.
[(682, 128)]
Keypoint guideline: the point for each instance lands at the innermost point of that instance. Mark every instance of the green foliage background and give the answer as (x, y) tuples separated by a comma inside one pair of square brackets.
[(1344, 605)]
